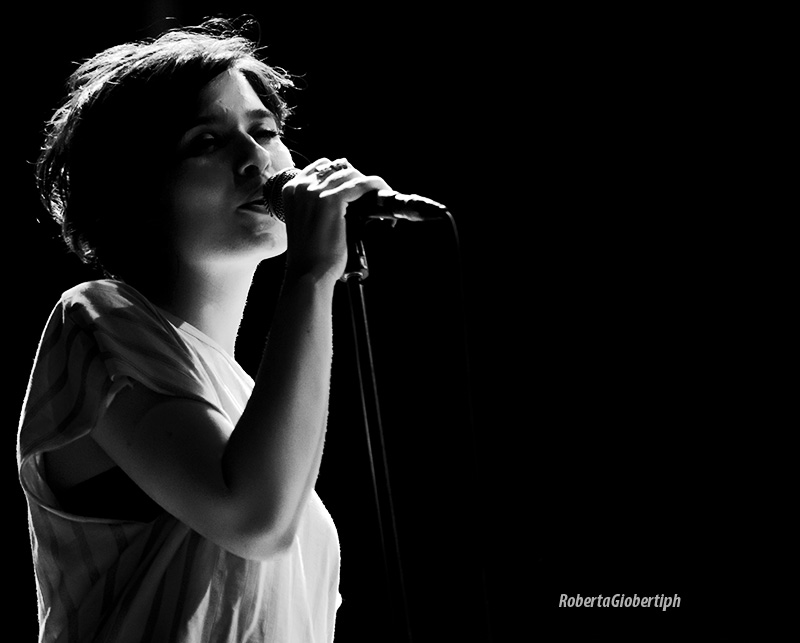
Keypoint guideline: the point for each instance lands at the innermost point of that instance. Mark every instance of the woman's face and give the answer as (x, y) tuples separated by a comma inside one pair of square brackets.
[(212, 194)]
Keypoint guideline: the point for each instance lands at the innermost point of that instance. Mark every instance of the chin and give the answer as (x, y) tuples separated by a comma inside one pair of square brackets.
[(272, 244)]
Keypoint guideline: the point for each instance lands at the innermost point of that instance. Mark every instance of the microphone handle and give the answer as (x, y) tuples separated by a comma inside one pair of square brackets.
[(388, 204), (375, 204)]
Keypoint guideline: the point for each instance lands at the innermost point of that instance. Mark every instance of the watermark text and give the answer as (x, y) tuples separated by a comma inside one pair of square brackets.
[(620, 600)]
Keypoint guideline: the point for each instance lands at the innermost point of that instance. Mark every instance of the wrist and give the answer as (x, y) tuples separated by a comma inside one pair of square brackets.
[(322, 281)]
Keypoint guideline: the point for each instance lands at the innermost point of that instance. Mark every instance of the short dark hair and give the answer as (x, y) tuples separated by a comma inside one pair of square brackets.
[(138, 96)]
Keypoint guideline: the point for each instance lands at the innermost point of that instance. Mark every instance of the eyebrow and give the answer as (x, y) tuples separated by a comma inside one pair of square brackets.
[(256, 114)]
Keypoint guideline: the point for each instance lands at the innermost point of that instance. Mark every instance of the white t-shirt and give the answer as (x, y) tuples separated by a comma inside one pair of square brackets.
[(158, 581)]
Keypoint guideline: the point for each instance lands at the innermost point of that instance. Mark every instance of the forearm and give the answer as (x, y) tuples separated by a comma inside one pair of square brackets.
[(271, 461)]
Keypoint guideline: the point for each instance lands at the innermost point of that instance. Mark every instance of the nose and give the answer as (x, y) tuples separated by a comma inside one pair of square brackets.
[(254, 159)]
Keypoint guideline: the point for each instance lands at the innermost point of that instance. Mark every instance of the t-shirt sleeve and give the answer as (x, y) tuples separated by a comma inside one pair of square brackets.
[(101, 337)]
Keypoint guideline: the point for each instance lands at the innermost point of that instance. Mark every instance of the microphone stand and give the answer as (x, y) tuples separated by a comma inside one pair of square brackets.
[(355, 273)]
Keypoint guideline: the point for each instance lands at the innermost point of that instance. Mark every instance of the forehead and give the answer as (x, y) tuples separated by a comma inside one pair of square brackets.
[(230, 94)]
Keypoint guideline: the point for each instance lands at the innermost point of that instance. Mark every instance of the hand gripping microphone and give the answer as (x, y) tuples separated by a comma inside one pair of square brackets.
[(376, 204)]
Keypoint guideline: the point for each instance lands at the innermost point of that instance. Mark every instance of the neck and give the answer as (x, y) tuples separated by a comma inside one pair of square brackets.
[(212, 301)]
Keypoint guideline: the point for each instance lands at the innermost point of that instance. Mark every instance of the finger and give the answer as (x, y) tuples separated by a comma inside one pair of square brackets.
[(334, 168), (312, 168), (350, 189)]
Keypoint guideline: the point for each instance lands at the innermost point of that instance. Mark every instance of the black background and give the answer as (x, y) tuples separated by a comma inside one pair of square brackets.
[(549, 424)]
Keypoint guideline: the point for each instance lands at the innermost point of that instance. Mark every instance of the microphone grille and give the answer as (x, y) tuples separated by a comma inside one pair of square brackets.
[(273, 201)]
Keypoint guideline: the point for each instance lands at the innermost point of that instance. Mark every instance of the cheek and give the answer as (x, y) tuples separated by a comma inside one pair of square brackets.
[(281, 156), (192, 193)]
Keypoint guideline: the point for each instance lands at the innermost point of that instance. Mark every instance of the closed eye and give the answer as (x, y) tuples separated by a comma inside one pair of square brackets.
[(209, 142), (204, 143), (265, 135)]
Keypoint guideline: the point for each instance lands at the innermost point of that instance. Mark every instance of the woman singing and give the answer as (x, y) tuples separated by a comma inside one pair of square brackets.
[(171, 496)]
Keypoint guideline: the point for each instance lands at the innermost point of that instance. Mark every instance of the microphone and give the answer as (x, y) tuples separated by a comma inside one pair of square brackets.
[(376, 204)]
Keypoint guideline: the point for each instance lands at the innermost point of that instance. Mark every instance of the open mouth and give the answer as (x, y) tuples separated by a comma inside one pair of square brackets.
[(258, 204)]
